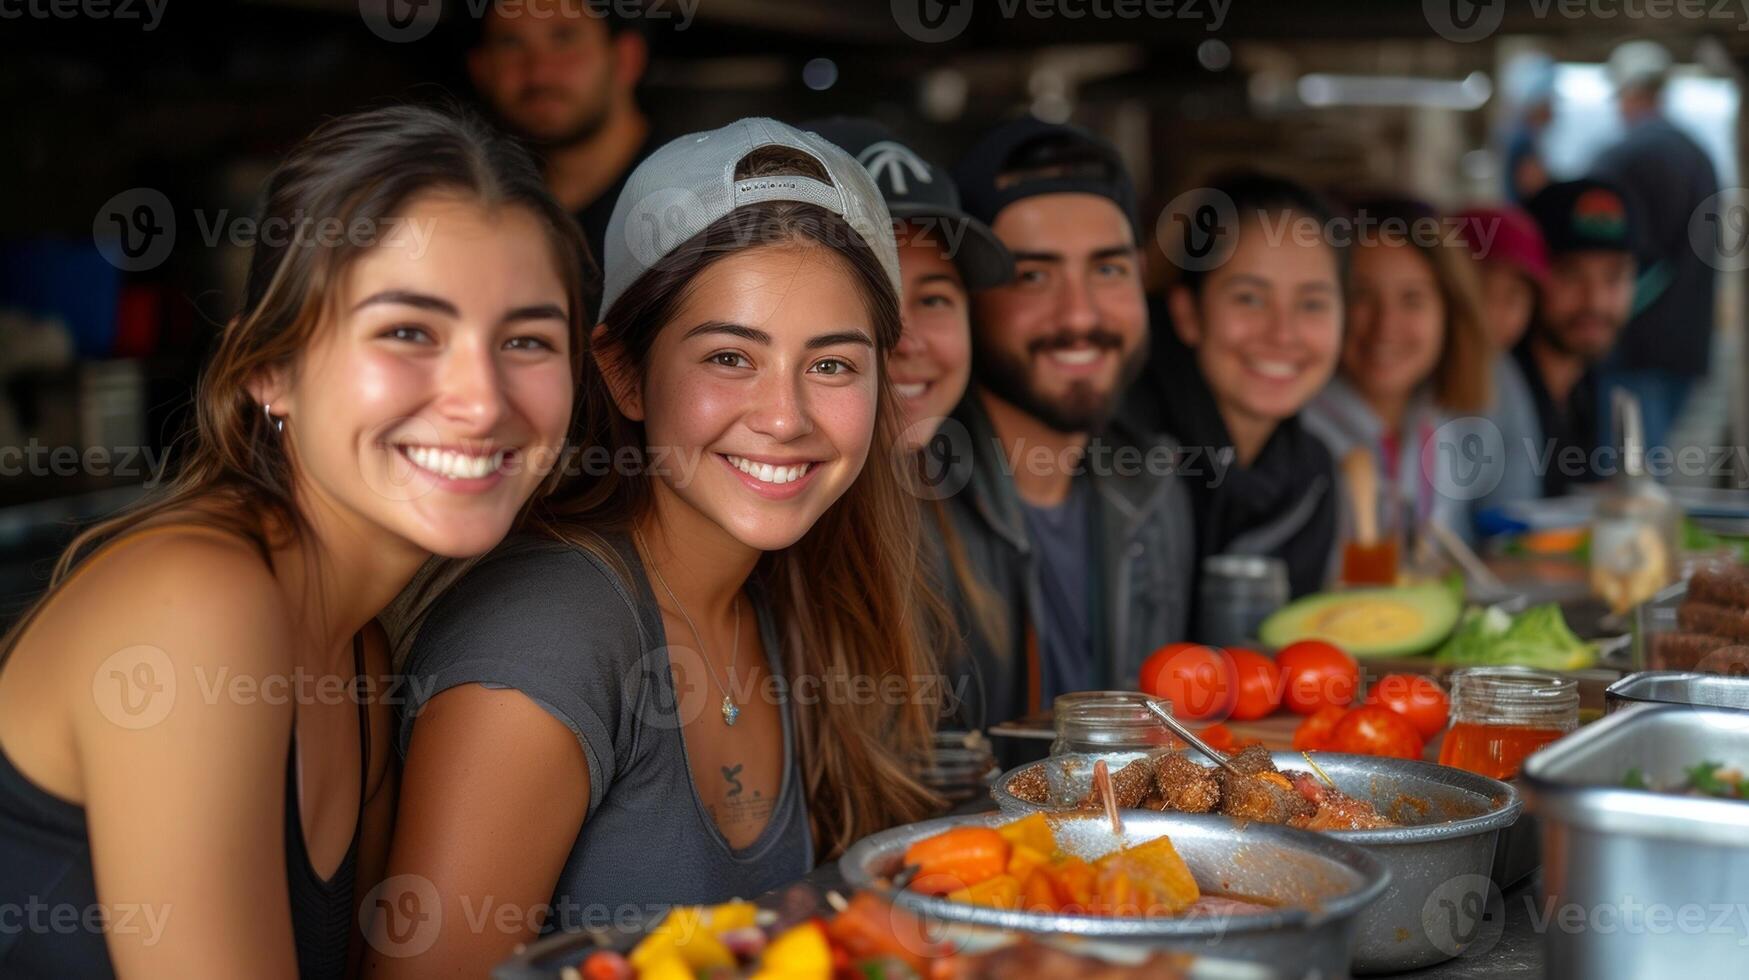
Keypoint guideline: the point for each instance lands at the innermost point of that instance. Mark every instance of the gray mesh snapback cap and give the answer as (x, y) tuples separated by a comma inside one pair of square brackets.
[(682, 188)]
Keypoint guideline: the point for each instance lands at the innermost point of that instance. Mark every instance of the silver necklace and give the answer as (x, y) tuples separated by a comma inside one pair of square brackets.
[(731, 710)]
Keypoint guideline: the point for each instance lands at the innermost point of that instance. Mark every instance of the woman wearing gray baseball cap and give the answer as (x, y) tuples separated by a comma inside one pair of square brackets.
[(709, 662)]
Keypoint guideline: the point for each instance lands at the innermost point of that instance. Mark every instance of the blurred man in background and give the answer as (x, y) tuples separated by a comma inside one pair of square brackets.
[(1076, 524), (1587, 296), (563, 77), (1667, 177)]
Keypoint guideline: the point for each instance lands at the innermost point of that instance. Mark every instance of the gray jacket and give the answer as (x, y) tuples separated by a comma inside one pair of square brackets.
[(1144, 549)]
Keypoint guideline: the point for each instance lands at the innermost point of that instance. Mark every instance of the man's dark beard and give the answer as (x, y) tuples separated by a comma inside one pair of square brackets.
[(585, 130), (1080, 410), (1558, 341)]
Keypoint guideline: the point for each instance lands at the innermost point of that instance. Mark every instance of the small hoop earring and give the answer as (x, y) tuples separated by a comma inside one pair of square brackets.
[(277, 423)]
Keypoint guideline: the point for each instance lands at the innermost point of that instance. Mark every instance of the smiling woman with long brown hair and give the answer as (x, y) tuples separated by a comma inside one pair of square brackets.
[(707, 670), (194, 766)]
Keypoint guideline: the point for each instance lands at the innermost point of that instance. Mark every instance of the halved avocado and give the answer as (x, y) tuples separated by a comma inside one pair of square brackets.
[(1368, 622)]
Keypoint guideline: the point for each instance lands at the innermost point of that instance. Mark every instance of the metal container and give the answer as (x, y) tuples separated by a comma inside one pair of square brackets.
[(1318, 884), (1640, 884), (1237, 594), (1440, 868), (1677, 687)]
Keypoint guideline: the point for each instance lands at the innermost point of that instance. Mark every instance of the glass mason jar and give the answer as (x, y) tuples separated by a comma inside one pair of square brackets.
[(1114, 724), (1500, 715)]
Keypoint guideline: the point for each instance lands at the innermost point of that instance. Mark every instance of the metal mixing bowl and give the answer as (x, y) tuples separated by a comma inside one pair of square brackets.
[(1317, 885), (1440, 866)]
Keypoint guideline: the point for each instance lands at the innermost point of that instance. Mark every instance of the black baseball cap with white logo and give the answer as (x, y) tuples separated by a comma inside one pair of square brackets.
[(918, 191), (1028, 157)]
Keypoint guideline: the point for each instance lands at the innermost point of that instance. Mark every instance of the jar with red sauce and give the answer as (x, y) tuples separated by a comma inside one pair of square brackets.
[(1500, 715)]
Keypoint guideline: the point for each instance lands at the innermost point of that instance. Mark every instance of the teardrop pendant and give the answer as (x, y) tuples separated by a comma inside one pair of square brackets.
[(730, 711)]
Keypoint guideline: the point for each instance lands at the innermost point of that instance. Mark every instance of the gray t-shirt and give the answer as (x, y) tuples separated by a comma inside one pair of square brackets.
[(1060, 546), (569, 631)]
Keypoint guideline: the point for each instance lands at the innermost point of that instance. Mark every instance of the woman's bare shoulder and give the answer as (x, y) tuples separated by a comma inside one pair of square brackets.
[(202, 596)]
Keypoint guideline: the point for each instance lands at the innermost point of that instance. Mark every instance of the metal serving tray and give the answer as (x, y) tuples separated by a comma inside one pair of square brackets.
[(1320, 883), (1677, 687), (1427, 916), (1639, 884)]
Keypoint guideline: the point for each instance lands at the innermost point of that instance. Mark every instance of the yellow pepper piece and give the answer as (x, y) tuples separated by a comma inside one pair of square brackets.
[(1032, 831), (798, 953), (1000, 892), (684, 932), (729, 916)]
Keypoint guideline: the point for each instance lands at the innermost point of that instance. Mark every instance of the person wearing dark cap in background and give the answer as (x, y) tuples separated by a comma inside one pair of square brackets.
[(1667, 178), (563, 78), (1589, 228), (1075, 522), (945, 254), (1512, 264)]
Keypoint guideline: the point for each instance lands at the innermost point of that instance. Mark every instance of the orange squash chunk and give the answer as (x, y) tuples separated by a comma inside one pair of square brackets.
[(1032, 831), (1171, 886), (999, 892)]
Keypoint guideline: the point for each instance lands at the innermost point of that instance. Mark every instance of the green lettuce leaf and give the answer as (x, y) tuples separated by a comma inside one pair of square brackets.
[(1537, 637)]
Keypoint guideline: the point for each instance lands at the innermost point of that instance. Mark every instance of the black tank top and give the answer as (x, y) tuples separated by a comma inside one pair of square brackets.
[(46, 875)]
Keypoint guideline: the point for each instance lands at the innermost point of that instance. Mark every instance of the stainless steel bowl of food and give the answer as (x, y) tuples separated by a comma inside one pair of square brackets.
[(1440, 851), (1643, 817), (1285, 898)]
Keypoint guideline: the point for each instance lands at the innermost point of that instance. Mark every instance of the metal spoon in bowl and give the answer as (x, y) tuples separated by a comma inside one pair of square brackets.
[(1179, 729)]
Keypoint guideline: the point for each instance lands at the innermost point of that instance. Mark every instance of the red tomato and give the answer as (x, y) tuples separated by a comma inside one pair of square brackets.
[(1372, 730), (1198, 680), (1258, 683), (1314, 674), (1314, 733), (1414, 696), (1219, 737)]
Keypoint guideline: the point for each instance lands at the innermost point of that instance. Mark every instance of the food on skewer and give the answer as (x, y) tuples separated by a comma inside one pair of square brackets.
[(1185, 786), (1261, 792), (1714, 623), (1130, 786), (1716, 620), (1723, 585)]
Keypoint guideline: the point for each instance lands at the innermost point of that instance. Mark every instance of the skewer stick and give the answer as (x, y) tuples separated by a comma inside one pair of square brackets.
[(1178, 728), (1319, 770), (1102, 783)]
